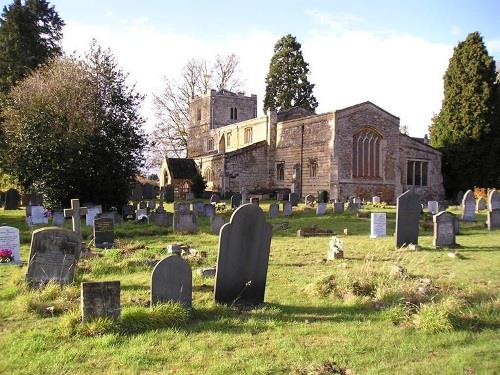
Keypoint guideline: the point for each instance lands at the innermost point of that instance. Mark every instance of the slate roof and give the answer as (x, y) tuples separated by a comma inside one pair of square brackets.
[(181, 168)]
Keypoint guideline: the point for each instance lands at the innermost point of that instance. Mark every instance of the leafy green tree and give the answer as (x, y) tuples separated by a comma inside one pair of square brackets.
[(198, 185), (287, 85), (464, 129), (30, 34), (73, 131)]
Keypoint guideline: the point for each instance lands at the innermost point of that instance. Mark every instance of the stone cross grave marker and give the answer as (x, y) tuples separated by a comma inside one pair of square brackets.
[(378, 225), (321, 209), (433, 207), (209, 210), (100, 300), (444, 229), (235, 201), (375, 200), (481, 204), (216, 224), (74, 213), (243, 257), (407, 219), (10, 240), (104, 233), (185, 222), (294, 199), (12, 199), (92, 212), (493, 220), (469, 206), (171, 280), (274, 210), (338, 207), (493, 200), (54, 254), (287, 208)]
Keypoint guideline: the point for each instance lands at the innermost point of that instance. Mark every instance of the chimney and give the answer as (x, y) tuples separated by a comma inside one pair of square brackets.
[(426, 139)]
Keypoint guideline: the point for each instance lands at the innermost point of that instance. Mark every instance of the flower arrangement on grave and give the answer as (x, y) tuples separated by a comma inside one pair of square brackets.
[(6, 256)]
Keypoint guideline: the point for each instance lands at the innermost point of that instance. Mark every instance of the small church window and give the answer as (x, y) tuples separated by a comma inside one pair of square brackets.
[(416, 172), (248, 135), (228, 139), (366, 154), (198, 114), (236, 113), (233, 113), (210, 144), (313, 168), (280, 171), (208, 175)]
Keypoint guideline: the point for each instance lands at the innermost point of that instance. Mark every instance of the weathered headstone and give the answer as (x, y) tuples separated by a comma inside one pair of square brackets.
[(142, 205), (54, 253), (294, 199), (243, 257), (433, 207), (255, 200), (444, 229), (141, 214), (407, 219), (75, 212), (321, 209), (185, 222), (279, 197), (198, 208), (100, 300), (493, 200), (375, 200), (378, 224), (38, 215), (171, 280), (128, 212), (352, 206), (12, 199), (235, 201), (92, 212), (481, 204), (338, 207), (216, 223), (104, 233), (309, 200), (215, 198), (469, 206), (274, 210), (162, 219), (209, 210), (287, 208), (493, 220), (181, 207), (10, 241), (189, 196), (169, 194), (58, 218)]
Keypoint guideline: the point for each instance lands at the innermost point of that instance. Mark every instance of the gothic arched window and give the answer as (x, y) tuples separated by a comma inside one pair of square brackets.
[(210, 144), (366, 154), (248, 135), (208, 175)]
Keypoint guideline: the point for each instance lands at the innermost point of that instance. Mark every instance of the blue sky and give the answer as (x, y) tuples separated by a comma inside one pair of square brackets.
[(393, 53)]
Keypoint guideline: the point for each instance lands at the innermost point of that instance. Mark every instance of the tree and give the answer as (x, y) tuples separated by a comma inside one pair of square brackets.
[(198, 185), (287, 85), (465, 129), (73, 130), (172, 105), (30, 34)]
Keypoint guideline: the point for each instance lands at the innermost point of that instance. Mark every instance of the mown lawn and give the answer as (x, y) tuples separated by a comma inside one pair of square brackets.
[(354, 313)]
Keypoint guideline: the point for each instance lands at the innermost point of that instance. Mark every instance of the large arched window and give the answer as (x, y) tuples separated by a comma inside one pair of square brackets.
[(248, 135), (208, 175), (366, 154)]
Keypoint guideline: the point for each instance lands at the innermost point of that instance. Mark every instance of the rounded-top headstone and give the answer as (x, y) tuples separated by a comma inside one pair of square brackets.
[(469, 206), (493, 200), (171, 280)]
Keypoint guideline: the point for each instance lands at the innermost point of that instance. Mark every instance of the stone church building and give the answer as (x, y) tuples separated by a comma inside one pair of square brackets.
[(355, 151)]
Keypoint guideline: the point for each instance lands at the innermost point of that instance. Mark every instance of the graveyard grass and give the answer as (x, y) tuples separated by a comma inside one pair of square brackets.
[(351, 313)]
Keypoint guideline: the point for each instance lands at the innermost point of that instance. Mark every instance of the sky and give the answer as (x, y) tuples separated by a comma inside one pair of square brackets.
[(392, 53)]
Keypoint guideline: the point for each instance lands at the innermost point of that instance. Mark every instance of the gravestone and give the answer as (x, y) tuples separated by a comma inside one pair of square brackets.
[(100, 300), (378, 224), (255, 200), (338, 207), (38, 215), (244, 198), (493, 220), (481, 204), (444, 229), (469, 206), (171, 280), (148, 191), (493, 200), (209, 210), (141, 214), (243, 257), (151, 205), (128, 212), (92, 212), (235, 201), (104, 233), (162, 219), (12, 199), (10, 241), (189, 196), (287, 208), (279, 197), (169, 194), (274, 210), (136, 194), (185, 222), (309, 200), (321, 209), (198, 208), (215, 198), (460, 197), (36, 199), (294, 199), (433, 207), (74, 213), (142, 205), (54, 254), (352, 206), (376, 200), (216, 223), (58, 218), (113, 215), (407, 219), (182, 207)]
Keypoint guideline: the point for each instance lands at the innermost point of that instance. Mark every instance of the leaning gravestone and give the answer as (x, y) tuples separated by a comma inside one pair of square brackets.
[(104, 233), (12, 199), (493, 220), (294, 199), (433, 207), (58, 218), (235, 201), (469, 206), (54, 254), (493, 200), (209, 210), (378, 224), (407, 219), (243, 257), (444, 229), (171, 280), (338, 207), (100, 300), (321, 209), (274, 210), (216, 223), (185, 222), (10, 241), (287, 208), (481, 204)]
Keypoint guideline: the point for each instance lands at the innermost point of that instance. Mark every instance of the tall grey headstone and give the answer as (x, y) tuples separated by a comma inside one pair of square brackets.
[(171, 280), (235, 200), (274, 210), (209, 210), (321, 208), (100, 300), (493, 220), (10, 240), (469, 206), (54, 253), (104, 233), (294, 199), (244, 245), (185, 222), (407, 219), (287, 208), (58, 218), (12, 199), (444, 229), (493, 200), (378, 224), (216, 224)]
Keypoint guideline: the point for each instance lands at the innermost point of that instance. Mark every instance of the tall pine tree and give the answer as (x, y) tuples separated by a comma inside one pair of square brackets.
[(30, 34), (287, 85), (465, 129)]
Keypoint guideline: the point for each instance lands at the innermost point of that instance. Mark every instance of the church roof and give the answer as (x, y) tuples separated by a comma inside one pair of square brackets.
[(181, 168)]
